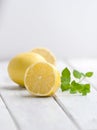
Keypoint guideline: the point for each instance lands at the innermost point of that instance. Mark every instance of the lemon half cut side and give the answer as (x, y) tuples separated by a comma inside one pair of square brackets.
[(42, 79)]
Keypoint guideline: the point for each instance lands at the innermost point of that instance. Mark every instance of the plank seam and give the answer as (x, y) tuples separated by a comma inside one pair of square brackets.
[(61, 105), (10, 113)]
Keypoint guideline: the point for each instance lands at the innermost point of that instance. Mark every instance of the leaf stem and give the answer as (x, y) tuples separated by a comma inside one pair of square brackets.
[(81, 79)]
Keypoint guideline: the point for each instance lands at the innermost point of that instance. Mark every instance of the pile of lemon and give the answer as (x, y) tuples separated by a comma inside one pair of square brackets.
[(36, 71)]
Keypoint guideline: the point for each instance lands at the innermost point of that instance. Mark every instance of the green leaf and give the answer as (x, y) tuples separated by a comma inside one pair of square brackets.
[(65, 86), (89, 74), (66, 73), (77, 74), (73, 89), (73, 86), (67, 80), (85, 89), (66, 76), (81, 88), (83, 74)]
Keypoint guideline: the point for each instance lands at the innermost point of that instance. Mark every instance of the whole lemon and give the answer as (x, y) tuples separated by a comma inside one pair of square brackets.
[(18, 65)]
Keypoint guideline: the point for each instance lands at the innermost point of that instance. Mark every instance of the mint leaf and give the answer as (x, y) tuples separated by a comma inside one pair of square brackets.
[(75, 86), (89, 74), (73, 91), (66, 73), (85, 89), (77, 74), (65, 79), (81, 88), (65, 86)]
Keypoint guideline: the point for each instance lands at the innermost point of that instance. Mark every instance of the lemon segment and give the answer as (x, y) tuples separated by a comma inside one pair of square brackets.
[(42, 79), (49, 57), (18, 65)]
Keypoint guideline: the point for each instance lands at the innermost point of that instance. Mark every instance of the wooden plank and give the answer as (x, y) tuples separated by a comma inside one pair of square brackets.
[(6, 122), (82, 109), (31, 112)]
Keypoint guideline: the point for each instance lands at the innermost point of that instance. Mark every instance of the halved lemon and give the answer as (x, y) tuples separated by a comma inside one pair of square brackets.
[(49, 57), (18, 65), (42, 79)]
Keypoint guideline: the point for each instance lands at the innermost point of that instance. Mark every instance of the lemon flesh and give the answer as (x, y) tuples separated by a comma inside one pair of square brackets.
[(42, 79), (49, 57), (18, 65)]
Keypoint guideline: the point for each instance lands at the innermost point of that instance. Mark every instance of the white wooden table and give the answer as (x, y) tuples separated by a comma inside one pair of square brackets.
[(20, 111)]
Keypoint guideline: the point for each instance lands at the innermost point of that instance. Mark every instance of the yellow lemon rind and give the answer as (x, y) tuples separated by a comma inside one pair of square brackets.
[(48, 55)]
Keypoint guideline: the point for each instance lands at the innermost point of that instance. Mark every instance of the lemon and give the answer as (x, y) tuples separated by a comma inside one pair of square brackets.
[(42, 79), (49, 57), (18, 65)]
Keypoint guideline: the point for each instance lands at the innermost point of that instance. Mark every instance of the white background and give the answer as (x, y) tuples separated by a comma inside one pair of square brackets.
[(67, 27)]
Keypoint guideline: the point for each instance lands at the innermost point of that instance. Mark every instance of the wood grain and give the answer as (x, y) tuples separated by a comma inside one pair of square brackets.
[(32, 112)]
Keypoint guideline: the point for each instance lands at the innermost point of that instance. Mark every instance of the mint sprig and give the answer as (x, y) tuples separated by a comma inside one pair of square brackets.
[(72, 85)]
